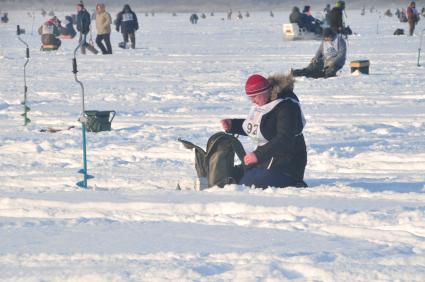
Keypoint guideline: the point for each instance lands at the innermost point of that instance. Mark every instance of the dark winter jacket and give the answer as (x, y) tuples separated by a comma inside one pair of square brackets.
[(68, 28), (294, 17), (282, 127), (83, 21), (127, 21), (412, 14), (336, 21), (304, 21)]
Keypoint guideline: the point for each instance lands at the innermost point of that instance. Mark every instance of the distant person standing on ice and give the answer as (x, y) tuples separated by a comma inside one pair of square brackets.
[(5, 18), (412, 17), (127, 21), (336, 21), (275, 124), (103, 27), (83, 25), (329, 58), (193, 19)]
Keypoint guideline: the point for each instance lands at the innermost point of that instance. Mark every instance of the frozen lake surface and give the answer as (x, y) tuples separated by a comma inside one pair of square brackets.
[(361, 219)]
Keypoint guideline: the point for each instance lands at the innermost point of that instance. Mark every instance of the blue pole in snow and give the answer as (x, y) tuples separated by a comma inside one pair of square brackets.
[(83, 127), (82, 119)]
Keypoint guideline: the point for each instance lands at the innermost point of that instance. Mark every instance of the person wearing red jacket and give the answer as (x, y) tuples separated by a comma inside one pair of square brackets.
[(412, 17)]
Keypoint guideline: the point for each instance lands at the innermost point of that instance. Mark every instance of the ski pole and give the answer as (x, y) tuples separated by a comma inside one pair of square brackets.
[(82, 119), (420, 47), (19, 31), (33, 19), (377, 24)]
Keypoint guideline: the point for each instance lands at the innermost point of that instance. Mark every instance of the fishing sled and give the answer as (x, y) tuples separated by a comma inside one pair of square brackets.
[(49, 47), (292, 31)]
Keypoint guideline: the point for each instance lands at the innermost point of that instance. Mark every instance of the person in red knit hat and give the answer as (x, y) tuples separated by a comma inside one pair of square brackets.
[(275, 124)]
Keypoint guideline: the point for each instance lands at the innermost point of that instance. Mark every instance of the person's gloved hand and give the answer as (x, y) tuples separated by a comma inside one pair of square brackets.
[(250, 159), (226, 124)]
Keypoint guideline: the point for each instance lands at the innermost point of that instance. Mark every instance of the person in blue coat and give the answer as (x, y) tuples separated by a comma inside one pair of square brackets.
[(83, 25), (127, 22)]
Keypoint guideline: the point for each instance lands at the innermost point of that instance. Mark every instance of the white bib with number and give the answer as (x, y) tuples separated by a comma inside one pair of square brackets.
[(47, 29), (127, 17), (252, 123)]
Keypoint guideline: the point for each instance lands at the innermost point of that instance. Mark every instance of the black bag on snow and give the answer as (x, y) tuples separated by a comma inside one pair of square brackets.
[(217, 163), (399, 31)]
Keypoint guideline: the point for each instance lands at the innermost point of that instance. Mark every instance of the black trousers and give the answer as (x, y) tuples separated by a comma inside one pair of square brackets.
[(316, 70), (132, 39), (107, 38)]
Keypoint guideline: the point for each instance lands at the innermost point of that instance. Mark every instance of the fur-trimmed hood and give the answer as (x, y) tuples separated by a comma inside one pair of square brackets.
[(282, 86)]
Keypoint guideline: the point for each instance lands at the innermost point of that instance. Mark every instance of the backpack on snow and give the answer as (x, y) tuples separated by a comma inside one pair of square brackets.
[(399, 31), (217, 163)]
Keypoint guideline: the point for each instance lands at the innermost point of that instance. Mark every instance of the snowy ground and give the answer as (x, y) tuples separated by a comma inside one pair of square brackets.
[(362, 219)]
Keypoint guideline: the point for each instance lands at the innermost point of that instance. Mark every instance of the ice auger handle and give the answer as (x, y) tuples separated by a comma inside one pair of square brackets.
[(28, 53), (74, 66)]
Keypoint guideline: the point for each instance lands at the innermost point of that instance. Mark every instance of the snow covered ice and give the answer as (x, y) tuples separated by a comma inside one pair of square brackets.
[(361, 219)]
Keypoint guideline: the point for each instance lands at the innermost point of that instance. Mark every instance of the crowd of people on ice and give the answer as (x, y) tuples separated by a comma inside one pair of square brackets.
[(53, 30), (410, 15), (334, 18)]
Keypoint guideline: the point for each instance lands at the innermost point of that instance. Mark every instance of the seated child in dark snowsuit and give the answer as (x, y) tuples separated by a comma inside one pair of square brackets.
[(67, 28), (329, 58)]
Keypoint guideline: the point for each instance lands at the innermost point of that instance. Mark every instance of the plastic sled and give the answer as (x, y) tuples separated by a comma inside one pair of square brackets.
[(66, 37), (292, 31), (49, 47)]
